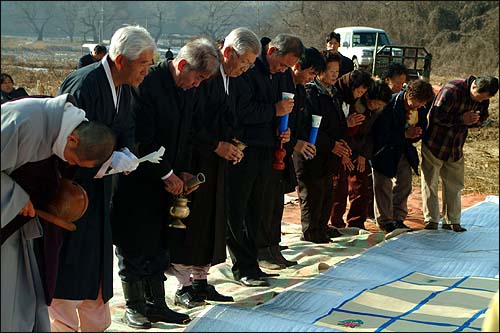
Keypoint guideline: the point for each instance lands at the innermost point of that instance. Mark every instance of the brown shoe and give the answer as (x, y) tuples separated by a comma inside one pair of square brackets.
[(454, 227), (431, 225)]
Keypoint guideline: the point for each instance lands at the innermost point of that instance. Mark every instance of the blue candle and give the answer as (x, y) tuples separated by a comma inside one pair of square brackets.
[(316, 121), (283, 123)]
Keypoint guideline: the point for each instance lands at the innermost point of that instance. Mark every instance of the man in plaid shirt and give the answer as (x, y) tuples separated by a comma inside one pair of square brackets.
[(460, 104)]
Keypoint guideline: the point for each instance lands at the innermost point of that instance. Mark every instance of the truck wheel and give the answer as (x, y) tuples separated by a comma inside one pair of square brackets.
[(356, 63)]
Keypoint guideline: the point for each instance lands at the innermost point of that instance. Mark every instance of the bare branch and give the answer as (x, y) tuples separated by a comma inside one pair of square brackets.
[(33, 14)]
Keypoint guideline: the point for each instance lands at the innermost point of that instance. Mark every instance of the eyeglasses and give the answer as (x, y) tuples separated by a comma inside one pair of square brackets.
[(244, 63)]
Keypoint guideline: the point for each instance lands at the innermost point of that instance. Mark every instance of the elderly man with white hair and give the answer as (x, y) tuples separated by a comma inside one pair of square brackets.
[(164, 105), (203, 244), (85, 276)]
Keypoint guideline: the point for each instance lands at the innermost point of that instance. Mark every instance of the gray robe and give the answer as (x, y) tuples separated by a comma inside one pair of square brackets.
[(29, 129)]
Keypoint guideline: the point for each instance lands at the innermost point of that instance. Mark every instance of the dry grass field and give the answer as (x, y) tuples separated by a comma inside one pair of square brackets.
[(40, 67)]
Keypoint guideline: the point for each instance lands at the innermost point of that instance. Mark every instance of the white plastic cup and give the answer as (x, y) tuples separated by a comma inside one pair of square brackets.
[(316, 120), (287, 95)]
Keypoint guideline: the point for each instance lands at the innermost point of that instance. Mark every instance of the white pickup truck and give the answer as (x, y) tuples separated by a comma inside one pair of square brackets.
[(358, 44)]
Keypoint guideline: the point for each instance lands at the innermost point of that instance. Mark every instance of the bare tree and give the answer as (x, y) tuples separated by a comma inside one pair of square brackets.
[(162, 11), (69, 18), (313, 20), (36, 16), (214, 18), (91, 20), (107, 15)]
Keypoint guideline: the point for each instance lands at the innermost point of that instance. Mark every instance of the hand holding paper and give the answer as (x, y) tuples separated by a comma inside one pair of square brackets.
[(126, 162)]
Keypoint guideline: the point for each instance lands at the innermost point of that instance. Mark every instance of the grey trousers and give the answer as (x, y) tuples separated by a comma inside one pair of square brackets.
[(183, 273), (452, 177), (391, 194)]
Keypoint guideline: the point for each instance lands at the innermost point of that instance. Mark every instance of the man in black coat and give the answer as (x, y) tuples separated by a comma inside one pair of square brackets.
[(95, 56), (394, 132), (333, 44), (163, 106), (314, 175), (269, 237), (195, 249), (248, 180), (85, 277)]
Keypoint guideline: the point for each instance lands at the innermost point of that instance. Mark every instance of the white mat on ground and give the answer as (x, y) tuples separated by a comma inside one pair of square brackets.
[(419, 281)]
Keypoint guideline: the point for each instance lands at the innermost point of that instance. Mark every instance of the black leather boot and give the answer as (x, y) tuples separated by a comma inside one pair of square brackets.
[(208, 292), (156, 307), (135, 306)]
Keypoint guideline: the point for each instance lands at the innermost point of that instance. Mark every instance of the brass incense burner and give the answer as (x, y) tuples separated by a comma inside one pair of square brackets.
[(180, 209)]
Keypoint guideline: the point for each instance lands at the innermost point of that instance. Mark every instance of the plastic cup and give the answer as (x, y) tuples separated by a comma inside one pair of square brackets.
[(316, 120), (287, 95)]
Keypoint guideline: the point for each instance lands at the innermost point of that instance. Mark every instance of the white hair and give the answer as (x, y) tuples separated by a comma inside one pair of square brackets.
[(130, 41), (243, 40), (201, 55)]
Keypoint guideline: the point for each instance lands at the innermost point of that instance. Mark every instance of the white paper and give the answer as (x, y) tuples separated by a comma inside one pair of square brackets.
[(154, 157)]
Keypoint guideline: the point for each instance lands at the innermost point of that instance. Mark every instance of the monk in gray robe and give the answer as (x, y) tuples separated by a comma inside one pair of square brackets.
[(34, 129)]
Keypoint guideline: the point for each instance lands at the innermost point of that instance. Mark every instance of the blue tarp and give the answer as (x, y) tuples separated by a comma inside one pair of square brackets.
[(440, 253)]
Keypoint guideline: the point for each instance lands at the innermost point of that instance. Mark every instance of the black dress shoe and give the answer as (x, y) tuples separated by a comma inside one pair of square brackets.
[(253, 282), (276, 253), (264, 276), (317, 240), (333, 232), (387, 227), (268, 261), (400, 225), (431, 225), (208, 292), (454, 227), (187, 298)]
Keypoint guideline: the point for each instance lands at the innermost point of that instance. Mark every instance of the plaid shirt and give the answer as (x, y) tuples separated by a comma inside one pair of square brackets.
[(446, 132)]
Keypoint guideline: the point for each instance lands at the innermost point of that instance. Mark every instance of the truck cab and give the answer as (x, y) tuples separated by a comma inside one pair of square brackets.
[(358, 44)]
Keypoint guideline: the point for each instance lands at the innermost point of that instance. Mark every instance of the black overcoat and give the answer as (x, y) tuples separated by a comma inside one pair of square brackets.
[(203, 242), (163, 113), (86, 256), (332, 128), (257, 113)]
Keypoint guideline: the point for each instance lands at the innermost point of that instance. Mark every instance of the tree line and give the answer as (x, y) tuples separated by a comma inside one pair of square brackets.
[(440, 26)]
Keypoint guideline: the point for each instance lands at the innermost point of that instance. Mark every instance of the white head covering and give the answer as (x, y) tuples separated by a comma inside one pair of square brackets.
[(72, 117)]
